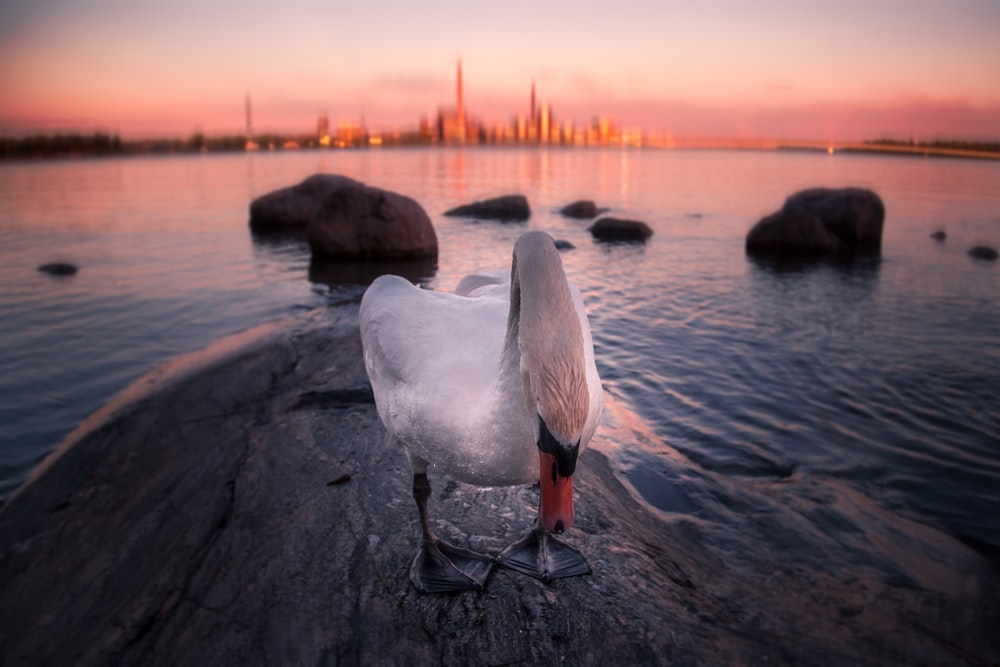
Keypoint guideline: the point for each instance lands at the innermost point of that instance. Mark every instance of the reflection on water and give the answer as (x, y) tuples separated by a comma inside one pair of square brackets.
[(341, 272), (290, 250), (859, 265), (835, 295)]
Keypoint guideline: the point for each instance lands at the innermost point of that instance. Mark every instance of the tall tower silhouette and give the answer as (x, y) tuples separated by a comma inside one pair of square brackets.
[(250, 143), (533, 111), (459, 107)]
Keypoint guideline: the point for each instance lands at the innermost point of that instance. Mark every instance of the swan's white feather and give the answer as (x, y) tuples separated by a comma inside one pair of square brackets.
[(436, 364)]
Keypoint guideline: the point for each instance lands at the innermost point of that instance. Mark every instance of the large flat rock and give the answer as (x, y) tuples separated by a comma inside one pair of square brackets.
[(242, 506)]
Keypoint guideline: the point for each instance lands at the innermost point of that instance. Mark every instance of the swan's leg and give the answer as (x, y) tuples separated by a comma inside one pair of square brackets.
[(440, 567), (421, 492), (540, 555)]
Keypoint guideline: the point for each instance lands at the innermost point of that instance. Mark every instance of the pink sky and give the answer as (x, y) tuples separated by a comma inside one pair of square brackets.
[(805, 70)]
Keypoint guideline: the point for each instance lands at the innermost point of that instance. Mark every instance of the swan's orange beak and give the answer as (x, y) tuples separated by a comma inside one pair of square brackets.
[(556, 509)]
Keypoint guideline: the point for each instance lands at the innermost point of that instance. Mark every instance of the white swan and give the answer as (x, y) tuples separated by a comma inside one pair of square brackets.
[(494, 385)]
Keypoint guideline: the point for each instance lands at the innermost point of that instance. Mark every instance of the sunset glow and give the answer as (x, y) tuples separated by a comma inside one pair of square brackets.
[(848, 70)]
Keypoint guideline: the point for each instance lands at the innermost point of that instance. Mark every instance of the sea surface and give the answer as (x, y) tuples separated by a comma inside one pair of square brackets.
[(846, 401)]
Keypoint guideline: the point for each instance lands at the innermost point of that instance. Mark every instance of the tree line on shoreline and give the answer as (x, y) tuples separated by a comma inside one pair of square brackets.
[(943, 144), (104, 144)]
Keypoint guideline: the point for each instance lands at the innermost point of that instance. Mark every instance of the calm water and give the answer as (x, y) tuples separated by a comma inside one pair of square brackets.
[(845, 401)]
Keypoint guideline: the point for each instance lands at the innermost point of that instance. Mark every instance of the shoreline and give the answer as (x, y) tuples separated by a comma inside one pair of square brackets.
[(176, 148), (242, 504)]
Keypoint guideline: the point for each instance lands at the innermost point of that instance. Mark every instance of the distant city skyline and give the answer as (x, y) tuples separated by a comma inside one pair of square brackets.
[(846, 70), (456, 125)]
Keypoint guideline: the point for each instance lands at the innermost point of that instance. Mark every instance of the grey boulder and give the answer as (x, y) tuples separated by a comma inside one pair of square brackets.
[(360, 222), (822, 221), (291, 208)]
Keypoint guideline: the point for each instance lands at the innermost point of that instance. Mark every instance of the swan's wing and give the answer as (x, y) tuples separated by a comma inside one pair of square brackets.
[(431, 356), (473, 283), (594, 388)]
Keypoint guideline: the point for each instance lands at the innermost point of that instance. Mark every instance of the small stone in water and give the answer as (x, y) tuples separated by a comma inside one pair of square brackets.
[(58, 269), (983, 252)]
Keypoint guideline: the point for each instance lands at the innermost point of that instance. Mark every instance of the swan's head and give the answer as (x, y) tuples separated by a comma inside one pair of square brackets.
[(556, 463), (558, 384), (553, 370)]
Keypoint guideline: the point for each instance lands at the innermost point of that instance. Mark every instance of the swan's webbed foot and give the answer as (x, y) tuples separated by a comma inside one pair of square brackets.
[(440, 567), (544, 557)]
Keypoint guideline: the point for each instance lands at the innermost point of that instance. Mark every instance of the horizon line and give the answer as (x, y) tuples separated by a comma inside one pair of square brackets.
[(111, 145)]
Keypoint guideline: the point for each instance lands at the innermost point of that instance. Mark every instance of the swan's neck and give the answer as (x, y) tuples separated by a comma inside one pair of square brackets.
[(543, 346)]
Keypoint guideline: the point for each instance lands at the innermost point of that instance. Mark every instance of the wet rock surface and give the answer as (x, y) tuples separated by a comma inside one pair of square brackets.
[(242, 505)]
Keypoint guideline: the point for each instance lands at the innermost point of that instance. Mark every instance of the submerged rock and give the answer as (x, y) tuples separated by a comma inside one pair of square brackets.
[(983, 252), (822, 221), (361, 222), (617, 229), (291, 208), (59, 269), (580, 209), (508, 208)]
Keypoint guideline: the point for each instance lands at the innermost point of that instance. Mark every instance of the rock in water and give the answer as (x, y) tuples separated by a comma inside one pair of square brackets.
[(983, 252), (362, 222), (617, 229), (580, 209), (822, 221), (793, 232), (291, 208), (509, 208), (59, 269)]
